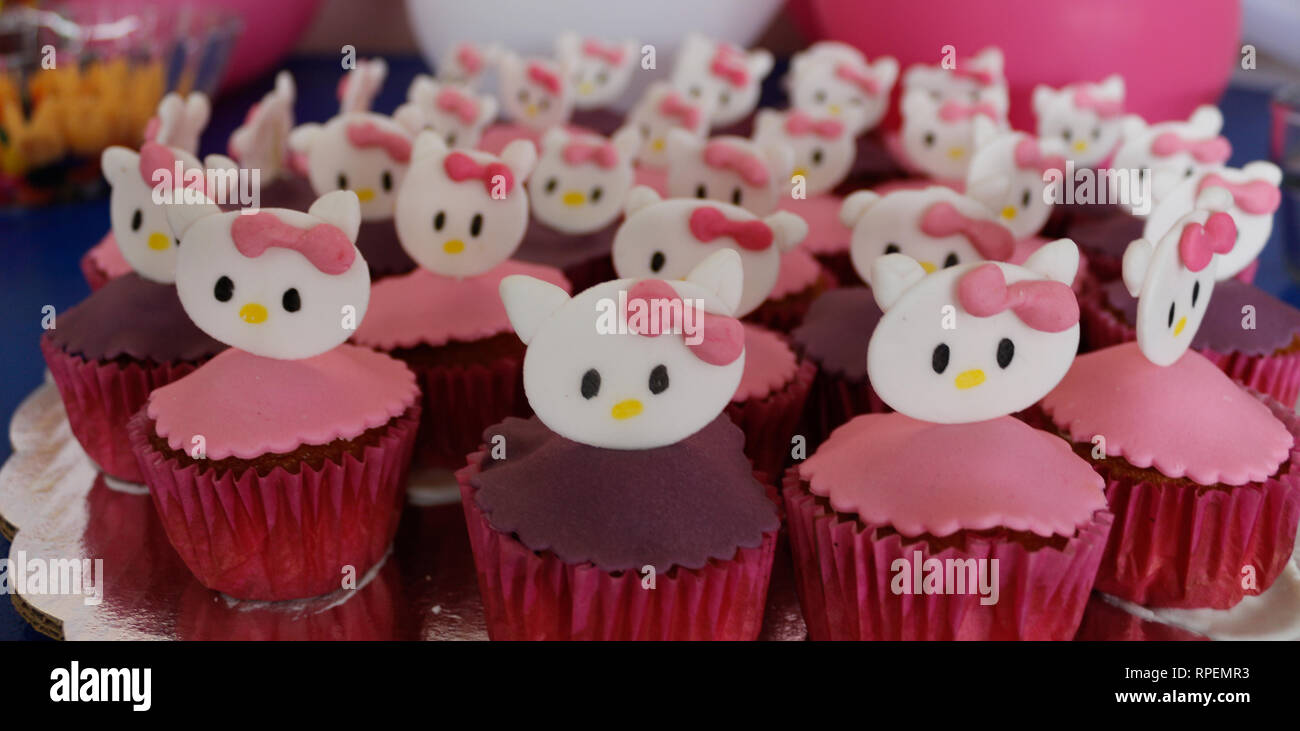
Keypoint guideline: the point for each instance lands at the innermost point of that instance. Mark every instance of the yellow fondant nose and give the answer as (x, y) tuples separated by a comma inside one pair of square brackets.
[(800, 172), (970, 379), (1178, 329), (1080, 146), (929, 267), (573, 198), (252, 313), (1009, 212), (834, 109), (657, 144), (956, 153), (454, 246), (159, 241), (365, 195), (586, 88), (626, 409), (531, 110)]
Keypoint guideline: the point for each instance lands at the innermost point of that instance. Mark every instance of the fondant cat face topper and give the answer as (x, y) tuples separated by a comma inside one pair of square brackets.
[(1006, 175), (277, 283), (1173, 151), (1174, 278), (822, 146), (582, 180), (834, 79), (361, 84), (462, 212), (660, 110), (598, 374), (465, 62), (938, 135), (452, 110), (729, 169), (1013, 334), (179, 121), (937, 227), (1087, 118), (668, 238), (535, 92), (363, 152), (262, 141), (599, 70), (1255, 197), (973, 76), (728, 78)]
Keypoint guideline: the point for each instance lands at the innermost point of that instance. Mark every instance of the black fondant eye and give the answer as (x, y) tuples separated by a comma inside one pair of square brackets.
[(819, 96), (1196, 292), (1190, 172), (224, 290), (950, 261), (291, 300), (817, 156), (137, 220), (657, 261), (939, 359), (659, 379), (1025, 198), (1006, 351), (645, 130), (451, 139), (1096, 133), (736, 196), (892, 249), (695, 91), (343, 182), (1171, 314), (387, 181), (928, 139), (551, 184), (476, 224), (545, 103), (590, 383), (701, 191), (439, 220), (596, 193), (1066, 135), (523, 95), (724, 99), (602, 77)]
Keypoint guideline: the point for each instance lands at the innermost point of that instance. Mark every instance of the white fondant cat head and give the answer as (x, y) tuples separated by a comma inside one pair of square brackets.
[(1170, 152), (535, 92), (936, 226), (668, 238), (1174, 278), (729, 169), (728, 78), (452, 110), (611, 367), (660, 110), (465, 62), (582, 180), (823, 147), (363, 152), (834, 79), (1006, 175), (361, 84), (262, 141), (1086, 117), (938, 135), (462, 212), (179, 121), (976, 341), (1255, 197), (276, 283), (972, 76), (599, 70)]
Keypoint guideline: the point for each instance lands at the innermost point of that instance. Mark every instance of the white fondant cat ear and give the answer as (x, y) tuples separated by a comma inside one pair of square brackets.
[(722, 275), (627, 140), (487, 109), (228, 183), (566, 45), (529, 303), (891, 276), (917, 104), (510, 62), (886, 71), (1057, 260), (1206, 120), (341, 208), (428, 144), (1137, 259), (639, 197), (855, 206), (788, 229), (1042, 99), (1112, 86), (1263, 170), (1132, 126), (520, 156), (303, 136), (180, 216), (118, 162), (759, 62)]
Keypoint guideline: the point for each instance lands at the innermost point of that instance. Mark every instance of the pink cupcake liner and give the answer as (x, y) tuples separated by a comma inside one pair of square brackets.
[(833, 400), (785, 314), (1276, 375), (770, 423), (460, 402), (844, 571), (282, 535), (1185, 547), (536, 596), (101, 398)]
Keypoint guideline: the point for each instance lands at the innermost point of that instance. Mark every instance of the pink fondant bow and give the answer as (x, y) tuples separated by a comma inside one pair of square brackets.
[(1044, 305), (460, 167), (1105, 108), (708, 223), (1198, 244), (368, 134), (324, 245), (155, 157), (861, 79), (729, 64), (1029, 156), (801, 123), (602, 154), (673, 107), (453, 102), (991, 239), (955, 111), (719, 154), (722, 337), (983, 77), (1257, 197), (544, 77), (612, 55), (1212, 150), (469, 58)]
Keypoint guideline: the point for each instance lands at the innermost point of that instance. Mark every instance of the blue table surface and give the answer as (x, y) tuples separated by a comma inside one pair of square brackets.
[(45, 245)]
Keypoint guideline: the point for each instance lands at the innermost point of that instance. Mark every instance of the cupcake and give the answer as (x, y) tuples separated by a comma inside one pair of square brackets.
[(131, 335), (460, 214), (455, 111), (625, 509), (600, 71), (279, 466), (262, 143), (1087, 117), (950, 519), (726, 79), (668, 238), (799, 282), (661, 109), (1198, 469), (536, 94)]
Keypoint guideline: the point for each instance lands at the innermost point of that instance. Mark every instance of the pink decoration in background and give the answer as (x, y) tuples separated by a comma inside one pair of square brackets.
[(612, 55), (369, 134), (1212, 150), (462, 105), (603, 154), (729, 64), (983, 77), (1044, 305), (723, 337), (325, 245), (800, 123), (1198, 244), (991, 239), (1105, 108), (955, 111), (155, 157), (673, 107), (469, 58), (708, 223), (1028, 155), (461, 167), (718, 154), (862, 80), (1257, 197), (544, 77)]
